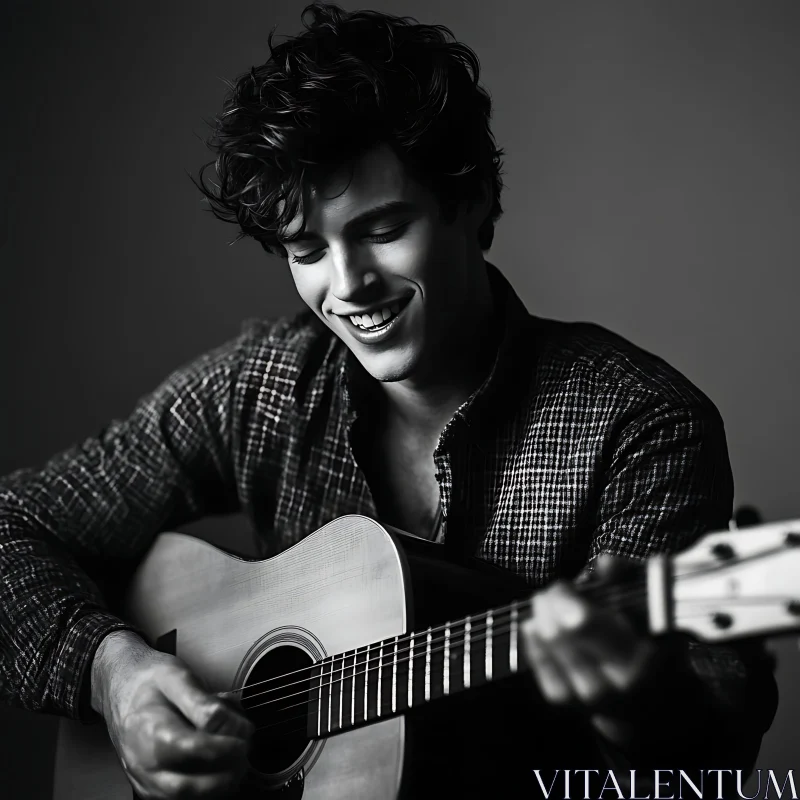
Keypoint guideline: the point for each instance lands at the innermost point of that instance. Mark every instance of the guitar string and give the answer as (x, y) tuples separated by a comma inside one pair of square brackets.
[(601, 593), (456, 639), (387, 660), (388, 663), (403, 638), (338, 680), (352, 677)]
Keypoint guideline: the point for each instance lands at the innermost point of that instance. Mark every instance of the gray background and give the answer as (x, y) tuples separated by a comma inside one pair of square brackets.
[(652, 186)]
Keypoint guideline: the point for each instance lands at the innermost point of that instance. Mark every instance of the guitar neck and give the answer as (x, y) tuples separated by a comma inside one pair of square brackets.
[(404, 672), (726, 586), (407, 671)]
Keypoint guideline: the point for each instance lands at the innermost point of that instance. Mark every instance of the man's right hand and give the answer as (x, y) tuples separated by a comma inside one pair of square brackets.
[(174, 738)]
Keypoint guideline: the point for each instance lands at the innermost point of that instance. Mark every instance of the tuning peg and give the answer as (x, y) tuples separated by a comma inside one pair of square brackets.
[(745, 517), (722, 621), (723, 551)]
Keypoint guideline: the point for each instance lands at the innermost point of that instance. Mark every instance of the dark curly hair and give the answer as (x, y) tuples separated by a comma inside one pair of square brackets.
[(348, 82)]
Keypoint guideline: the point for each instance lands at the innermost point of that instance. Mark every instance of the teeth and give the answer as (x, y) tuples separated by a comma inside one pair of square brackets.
[(375, 319)]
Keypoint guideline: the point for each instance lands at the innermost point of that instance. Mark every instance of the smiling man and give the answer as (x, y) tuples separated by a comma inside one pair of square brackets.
[(416, 389)]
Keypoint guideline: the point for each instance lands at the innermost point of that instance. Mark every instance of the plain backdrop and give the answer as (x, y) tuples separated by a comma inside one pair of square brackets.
[(652, 186)]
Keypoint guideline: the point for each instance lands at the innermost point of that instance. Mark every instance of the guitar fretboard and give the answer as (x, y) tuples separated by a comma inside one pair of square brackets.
[(394, 675)]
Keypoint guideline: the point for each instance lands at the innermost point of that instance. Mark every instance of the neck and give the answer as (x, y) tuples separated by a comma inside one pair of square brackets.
[(428, 400)]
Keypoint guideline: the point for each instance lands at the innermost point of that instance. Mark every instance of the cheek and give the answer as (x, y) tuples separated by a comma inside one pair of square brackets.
[(310, 286), (411, 257)]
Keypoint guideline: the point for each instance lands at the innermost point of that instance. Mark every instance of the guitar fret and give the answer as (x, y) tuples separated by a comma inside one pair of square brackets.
[(375, 681), (359, 698), (452, 659), (394, 677), (446, 678), (467, 646), (380, 670), (366, 684), (341, 693), (411, 672), (319, 701), (512, 645), (488, 661), (330, 692), (353, 690), (428, 666)]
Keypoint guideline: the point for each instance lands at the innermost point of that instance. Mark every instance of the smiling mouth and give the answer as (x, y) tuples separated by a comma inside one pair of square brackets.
[(378, 319)]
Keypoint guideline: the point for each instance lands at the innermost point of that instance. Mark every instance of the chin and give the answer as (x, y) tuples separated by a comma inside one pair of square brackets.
[(388, 369)]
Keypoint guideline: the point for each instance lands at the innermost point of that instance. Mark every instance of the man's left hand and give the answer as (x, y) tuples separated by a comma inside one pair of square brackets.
[(585, 655)]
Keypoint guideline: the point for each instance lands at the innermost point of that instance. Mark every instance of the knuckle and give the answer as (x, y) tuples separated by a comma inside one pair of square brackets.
[(213, 715), (180, 787), (575, 617), (166, 736), (556, 693), (548, 634)]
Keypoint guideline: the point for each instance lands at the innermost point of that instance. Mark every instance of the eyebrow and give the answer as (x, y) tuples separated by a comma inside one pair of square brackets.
[(363, 219)]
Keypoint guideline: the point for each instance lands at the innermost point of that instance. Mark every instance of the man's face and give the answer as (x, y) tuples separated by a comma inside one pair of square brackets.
[(380, 268)]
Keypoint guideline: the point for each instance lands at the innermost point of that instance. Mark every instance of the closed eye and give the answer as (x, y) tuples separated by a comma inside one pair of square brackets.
[(388, 236), (310, 258), (376, 238)]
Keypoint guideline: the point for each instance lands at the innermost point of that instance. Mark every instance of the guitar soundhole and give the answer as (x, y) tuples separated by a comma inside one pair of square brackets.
[(275, 698)]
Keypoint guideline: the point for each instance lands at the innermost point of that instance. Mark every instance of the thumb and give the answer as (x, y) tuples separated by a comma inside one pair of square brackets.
[(613, 568), (206, 711)]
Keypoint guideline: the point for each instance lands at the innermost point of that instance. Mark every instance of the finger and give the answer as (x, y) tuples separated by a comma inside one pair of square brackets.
[(624, 661), (234, 702), (233, 699), (170, 784), (167, 740), (555, 608), (563, 622), (605, 634), (205, 711), (548, 676), (586, 679), (608, 567), (200, 752)]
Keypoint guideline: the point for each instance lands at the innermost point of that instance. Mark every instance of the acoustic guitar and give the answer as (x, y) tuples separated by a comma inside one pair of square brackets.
[(332, 644)]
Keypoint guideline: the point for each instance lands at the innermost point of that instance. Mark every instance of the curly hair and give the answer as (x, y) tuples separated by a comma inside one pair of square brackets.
[(350, 81)]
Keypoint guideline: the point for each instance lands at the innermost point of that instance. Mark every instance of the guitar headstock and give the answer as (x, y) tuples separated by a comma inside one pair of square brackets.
[(739, 583)]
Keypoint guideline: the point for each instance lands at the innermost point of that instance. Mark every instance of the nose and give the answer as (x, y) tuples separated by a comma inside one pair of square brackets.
[(352, 278)]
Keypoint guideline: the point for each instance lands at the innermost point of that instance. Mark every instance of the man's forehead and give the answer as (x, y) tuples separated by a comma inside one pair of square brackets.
[(374, 180)]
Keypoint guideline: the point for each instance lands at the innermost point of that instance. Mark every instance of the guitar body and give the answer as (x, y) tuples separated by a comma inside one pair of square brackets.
[(238, 622)]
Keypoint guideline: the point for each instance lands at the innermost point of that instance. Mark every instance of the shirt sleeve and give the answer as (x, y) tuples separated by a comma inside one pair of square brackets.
[(669, 482), (91, 512)]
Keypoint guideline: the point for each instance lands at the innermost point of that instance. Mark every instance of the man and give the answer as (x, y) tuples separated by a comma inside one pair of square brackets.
[(416, 389)]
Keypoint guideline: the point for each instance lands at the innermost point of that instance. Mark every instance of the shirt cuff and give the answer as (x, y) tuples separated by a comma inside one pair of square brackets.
[(70, 685)]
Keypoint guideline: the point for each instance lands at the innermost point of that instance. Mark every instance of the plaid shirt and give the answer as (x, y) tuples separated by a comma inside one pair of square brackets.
[(577, 443)]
